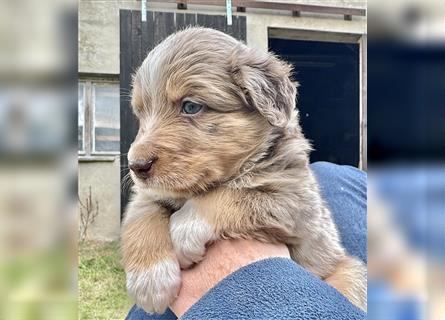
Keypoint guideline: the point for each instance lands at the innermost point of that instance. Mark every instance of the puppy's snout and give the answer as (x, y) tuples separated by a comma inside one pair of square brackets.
[(141, 168)]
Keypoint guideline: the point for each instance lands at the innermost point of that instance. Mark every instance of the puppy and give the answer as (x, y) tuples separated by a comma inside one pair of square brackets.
[(220, 155)]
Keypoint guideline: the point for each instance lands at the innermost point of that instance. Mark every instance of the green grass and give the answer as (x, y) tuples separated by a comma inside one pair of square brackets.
[(102, 293)]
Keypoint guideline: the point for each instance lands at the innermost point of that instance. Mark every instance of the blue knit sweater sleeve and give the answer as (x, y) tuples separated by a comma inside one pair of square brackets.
[(275, 288)]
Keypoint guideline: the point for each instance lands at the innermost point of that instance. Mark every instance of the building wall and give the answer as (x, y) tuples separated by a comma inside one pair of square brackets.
[(99, 54), (104, 179), (99, 27)]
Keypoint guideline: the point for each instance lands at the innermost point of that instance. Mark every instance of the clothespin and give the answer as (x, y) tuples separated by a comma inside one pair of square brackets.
[(229, 12), (143, 10)]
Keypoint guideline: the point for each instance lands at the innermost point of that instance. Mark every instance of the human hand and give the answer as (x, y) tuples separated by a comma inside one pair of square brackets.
[(222, 258)]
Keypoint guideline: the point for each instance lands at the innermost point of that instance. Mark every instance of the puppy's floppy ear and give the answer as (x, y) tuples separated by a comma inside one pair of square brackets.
[(265, 82)]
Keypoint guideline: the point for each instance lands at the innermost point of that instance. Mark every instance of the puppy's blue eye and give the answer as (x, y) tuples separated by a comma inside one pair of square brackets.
[(189, 107)]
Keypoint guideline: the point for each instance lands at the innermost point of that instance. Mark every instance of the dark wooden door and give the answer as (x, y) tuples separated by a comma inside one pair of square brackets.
[(328, 101), (137, 38)]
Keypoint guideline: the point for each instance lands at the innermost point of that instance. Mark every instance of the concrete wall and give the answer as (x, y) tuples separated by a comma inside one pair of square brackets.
[(99, 35), (99, 54), (104, 179)]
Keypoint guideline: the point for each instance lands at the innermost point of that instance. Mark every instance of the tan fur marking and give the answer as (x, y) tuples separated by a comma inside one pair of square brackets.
[(349, 278), (145, 241), (232, 217), (136, 97)]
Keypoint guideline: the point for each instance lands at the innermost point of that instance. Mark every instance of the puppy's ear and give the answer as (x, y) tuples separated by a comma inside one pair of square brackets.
[(265, 82)]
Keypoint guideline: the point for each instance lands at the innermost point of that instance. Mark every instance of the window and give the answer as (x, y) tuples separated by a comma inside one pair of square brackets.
[(81, 117), (106, 118), (98, 119)]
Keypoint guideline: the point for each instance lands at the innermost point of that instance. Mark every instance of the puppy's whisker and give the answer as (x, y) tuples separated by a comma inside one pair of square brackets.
[(126, 182)]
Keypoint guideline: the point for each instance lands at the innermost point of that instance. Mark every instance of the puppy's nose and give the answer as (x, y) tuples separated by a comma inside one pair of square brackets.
[(141, 168)]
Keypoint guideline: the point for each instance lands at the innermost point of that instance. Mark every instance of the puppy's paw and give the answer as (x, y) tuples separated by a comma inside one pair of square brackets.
[(190, 233), (155, 288)]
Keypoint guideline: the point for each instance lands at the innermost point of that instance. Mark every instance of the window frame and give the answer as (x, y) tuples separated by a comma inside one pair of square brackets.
[(81, 152), (89, 153)]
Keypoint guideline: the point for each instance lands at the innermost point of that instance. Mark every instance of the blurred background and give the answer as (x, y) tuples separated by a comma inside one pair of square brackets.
[(381, 72), (406, 160), (38, 159)]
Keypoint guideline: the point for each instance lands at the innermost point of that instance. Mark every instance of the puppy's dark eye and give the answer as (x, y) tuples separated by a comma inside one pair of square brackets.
[(189, 107)]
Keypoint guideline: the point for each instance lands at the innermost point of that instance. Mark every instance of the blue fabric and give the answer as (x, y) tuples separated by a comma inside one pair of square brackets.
[(275, 288), (279, 288), (417, 197), (344, 188), (139, 314)]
